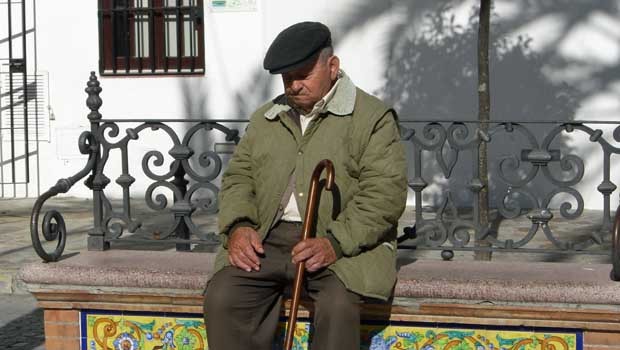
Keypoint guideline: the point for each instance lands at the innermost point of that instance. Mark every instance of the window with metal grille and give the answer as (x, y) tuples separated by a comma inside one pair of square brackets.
[(151, 37)]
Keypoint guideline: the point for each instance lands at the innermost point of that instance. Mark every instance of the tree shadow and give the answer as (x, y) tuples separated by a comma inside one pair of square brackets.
[(431, 74)]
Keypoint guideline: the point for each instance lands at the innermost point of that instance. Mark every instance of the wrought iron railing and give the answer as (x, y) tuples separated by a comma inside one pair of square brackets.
[(527, 179), (533, 173)]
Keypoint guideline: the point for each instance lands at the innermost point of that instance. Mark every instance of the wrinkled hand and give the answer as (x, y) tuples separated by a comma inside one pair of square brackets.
[(243, 245), (315, 252)]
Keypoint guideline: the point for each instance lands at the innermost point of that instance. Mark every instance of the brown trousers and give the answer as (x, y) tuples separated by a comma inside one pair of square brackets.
[(242, 308)]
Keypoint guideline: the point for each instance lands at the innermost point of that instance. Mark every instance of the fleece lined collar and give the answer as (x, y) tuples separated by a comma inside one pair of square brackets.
[(341, 103)]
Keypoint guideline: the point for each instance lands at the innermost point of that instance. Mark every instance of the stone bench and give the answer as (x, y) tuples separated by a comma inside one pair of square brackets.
[(126, 294)]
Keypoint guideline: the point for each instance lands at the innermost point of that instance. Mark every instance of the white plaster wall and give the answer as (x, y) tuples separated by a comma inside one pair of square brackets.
[(585, 34)]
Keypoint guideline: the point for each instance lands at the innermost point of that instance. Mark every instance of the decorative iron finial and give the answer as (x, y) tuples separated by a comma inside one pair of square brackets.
[(93, 101)]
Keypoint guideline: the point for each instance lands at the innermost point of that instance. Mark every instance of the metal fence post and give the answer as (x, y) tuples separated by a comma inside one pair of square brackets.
[(97, 181), (181, 209)]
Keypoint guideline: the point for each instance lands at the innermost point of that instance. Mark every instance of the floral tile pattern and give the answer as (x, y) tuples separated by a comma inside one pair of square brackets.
[(133, 332), (375, 337), (104, 330)]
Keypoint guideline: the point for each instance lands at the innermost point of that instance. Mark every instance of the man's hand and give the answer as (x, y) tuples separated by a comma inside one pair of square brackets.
[(316, 252), (243, 245)]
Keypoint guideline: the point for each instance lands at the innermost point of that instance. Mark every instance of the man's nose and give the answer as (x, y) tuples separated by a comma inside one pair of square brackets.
[(295, 86)]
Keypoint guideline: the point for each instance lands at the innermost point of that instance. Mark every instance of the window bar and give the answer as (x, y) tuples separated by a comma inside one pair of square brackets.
[(11, 106), (102, 54), (138, 23), (114, 43), (151, 36), (179, 20), (199, 41), (166, 35), (25, 82), (193, 16), (127, 40)]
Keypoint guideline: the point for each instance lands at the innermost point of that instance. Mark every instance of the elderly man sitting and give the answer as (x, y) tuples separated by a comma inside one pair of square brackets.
[(321, 114)]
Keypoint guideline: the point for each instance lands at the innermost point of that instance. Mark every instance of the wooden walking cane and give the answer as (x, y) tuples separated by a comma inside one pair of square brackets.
[(306, 232)]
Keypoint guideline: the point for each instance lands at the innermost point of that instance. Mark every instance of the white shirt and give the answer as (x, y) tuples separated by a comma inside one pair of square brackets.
[(291, 212)]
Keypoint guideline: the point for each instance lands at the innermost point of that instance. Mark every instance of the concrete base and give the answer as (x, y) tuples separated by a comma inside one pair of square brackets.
[(10, 283)]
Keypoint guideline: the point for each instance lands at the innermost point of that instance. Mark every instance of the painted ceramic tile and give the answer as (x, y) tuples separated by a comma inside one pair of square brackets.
[(375, 337), (133, 332)]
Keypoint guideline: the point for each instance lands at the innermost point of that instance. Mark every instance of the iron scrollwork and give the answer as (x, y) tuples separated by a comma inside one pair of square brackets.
[(615, 252), (447, 228), (53, 226), (450, 229), (186, 179), (173, 179)]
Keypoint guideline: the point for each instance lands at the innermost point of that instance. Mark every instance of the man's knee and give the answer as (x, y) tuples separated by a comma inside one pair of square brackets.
[(332, 297), (336, 321), (340, 302), (218, 296)]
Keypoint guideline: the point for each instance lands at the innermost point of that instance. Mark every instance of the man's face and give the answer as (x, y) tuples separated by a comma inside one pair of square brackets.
[(305, 86)]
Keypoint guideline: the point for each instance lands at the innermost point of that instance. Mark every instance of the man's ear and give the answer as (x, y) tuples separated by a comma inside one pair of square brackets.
[(334, 67)]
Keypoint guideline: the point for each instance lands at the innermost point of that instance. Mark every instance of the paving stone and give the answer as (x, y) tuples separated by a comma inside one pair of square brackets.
[(21, 323)]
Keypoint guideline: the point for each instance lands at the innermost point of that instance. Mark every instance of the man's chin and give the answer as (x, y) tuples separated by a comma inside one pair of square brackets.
[(299, 105)]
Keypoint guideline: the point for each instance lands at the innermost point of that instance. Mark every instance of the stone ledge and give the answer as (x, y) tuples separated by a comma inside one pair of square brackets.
[(493, 282), (124, 268), (509, 281)]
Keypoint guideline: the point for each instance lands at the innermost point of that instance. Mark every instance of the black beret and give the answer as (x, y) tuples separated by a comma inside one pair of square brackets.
[(296, 46)]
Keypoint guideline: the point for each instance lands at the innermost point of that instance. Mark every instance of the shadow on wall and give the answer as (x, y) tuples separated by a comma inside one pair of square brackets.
[(434, 76), (431, 74)]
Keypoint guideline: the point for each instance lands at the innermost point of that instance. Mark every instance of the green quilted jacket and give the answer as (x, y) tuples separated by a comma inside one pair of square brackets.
[(360, 135)]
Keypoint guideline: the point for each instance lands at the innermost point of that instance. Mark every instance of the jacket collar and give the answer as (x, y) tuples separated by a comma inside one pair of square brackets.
[(341, 103)]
